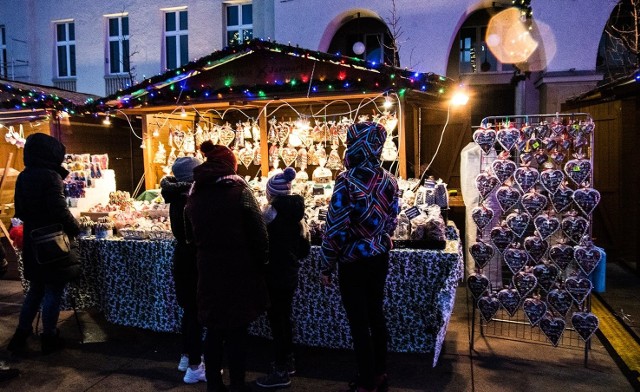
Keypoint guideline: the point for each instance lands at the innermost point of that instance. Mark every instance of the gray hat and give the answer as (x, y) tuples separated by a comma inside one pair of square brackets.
[(183, 168)]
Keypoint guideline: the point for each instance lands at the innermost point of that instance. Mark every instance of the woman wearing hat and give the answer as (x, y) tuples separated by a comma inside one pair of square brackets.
[(361, 218), (231, 251), (185, 272)]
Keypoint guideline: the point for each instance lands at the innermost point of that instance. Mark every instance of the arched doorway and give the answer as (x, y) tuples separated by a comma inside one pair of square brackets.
[(365, 37)]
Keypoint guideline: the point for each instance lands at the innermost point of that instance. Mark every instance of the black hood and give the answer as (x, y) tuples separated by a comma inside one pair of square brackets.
[(289, 207), (44, 151), (173, 190)]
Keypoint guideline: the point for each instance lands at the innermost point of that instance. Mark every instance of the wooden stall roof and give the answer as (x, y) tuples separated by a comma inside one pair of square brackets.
[(261, 71), (628, 86)]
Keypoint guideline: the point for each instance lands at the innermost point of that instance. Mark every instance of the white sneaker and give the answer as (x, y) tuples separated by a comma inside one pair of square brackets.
[(193, 376), (184, 363)]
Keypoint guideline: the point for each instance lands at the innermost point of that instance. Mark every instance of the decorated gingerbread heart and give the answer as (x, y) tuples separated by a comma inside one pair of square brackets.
[(542, 130), (557, 128), (553, 328), (482, 253), (561, 199), (510, 300), (524, 282), (486, 183), (507, 137), (482, 216), (533, 202), (501, 237), (507, 197), (585, 324), (561, 255), (546, 225), (547, 274), (485, 138), (515, 259), (560, 301), (534, 309), (488, 306), (578, 288), (578, 170), (518, 222), (551, 179), (503, 169), (536, 247), (526, 177), (575, 227), (587, 257), (477, 284), (586, 199)]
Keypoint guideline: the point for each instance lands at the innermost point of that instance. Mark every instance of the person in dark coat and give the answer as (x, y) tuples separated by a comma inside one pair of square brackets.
[(232, 248), (288, 243), (40, 202), (361, 218), (185, 272)]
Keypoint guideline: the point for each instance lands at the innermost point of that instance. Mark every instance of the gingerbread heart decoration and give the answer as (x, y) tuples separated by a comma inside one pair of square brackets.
[(486, 183), (245, 156), (541, 157), (561, 255), (507, 137), (515, 259), (549, 143), (510, 300), (536, 247), (587, 257), (518, 222), (482, 253), (546, 225), (533, 202), (503, 169), (560, 301), (507, 197), (485, 138), (527, 131), (557, 128), (578, 170), (586, 199), (558, 157), (553, 328), (561, 199), (551, 179), (477, 284), (526, 177), (534, 309), (482, 216), (546, 274), (488, 307), (542, 130), (585, 324), (524, 282), (578, 288), (226, 135), (501, 237), (288, 155), (575, 227)]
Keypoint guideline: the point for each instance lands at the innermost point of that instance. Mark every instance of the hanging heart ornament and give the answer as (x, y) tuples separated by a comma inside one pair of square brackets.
[(518, 222), (526, 177), (586, 199), (245, 156), (551, 179), (575, 227), (533, 202), (488, 307), (561, 199), (510, 300), (477, 284), (507, 197), (481, 253), (560, 300), (486, 183), (503, 169), (546, 274), (536, 247), (524, 282), (507, 137), (553, 328), (288, 155), (226, 135), (585, 324), (578, 288), (561, 255), (588, 257), (482, 216), (546, 225), (578, 170), (485, 138), (534, 309), (516, 259), (501, 237)]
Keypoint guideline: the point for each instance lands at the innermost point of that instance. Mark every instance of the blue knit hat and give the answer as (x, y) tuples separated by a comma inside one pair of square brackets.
[(280, 184), (183, 168)]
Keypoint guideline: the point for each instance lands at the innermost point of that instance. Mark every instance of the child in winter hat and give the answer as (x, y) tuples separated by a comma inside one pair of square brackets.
[(280, 184), (183, 168)]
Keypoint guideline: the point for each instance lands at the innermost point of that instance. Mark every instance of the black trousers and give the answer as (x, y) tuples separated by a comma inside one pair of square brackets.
[(362, 289), (232, 341), (280, 321), (191, 335)]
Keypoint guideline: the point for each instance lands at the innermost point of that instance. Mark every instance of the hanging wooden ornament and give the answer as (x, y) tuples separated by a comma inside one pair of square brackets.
[(288, 155), (227, 135), (333, 161), (246, 154), (255, 131), (312, 157), (302, 159), (189, 145)]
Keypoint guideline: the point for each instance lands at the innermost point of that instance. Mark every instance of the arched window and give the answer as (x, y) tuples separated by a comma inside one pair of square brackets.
[(373, 34)]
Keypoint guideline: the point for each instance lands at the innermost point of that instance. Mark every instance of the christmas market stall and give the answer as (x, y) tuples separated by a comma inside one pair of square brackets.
[(280, 106)]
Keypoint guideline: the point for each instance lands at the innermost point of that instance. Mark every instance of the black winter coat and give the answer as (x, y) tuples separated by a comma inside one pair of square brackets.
[(232, 245), (287, 245), (40, 201), (185, 270)]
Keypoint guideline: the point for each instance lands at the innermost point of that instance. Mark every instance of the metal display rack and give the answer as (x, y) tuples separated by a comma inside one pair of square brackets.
[(517, 326)]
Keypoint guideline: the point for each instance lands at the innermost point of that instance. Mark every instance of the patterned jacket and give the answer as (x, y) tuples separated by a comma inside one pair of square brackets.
[(364, 205)]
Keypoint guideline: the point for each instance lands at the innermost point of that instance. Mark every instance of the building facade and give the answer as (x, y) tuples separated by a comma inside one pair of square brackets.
[(100, 47)]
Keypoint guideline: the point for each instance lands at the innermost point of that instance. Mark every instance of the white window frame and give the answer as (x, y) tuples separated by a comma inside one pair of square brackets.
[(67, 43), (120, 39), (4, 65), (239, 28), (177, 33)]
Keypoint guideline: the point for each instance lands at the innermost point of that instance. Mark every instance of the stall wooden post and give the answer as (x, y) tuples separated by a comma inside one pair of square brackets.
[(3, 181), (264, 143)]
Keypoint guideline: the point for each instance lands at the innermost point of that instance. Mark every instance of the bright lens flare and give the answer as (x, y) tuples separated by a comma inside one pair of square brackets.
[(459, 99), (508, 37)]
